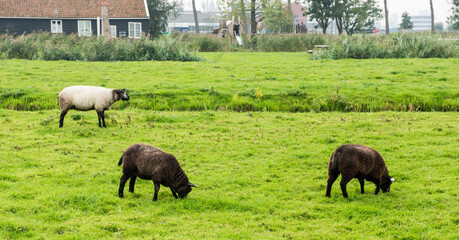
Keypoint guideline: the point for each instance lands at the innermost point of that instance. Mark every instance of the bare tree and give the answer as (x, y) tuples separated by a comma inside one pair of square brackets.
[(386, 14), (243, 15), (253, 19), (195, 13), (432, 27), (208, 8)]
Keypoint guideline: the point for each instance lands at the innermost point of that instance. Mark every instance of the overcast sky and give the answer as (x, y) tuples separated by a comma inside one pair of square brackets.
[(396, 8)]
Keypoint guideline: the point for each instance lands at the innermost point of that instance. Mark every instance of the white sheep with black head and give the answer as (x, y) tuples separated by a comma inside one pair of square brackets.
[(85, 98)]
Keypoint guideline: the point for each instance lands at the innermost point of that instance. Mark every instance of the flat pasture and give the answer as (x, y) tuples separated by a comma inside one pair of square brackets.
[(254, 131), (261, 175), (288, 82)]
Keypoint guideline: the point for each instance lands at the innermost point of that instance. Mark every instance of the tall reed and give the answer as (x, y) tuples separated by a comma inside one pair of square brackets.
[(399, 45), (46, 46)]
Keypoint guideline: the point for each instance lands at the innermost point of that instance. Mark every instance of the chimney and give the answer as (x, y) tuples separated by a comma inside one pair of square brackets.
[(105, 22)]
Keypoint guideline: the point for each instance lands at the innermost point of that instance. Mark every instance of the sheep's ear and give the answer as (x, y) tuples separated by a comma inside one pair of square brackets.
[(191, 184), (392, 179), (118, 90)]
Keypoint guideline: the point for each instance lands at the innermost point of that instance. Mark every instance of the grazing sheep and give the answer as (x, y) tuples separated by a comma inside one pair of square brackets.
[(151, 163), (361, 162), (86, 98)]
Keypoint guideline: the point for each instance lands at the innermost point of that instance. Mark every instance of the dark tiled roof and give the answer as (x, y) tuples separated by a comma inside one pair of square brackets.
[(71, 8)]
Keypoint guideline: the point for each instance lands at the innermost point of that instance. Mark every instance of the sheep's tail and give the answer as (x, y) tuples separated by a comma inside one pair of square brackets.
[(333, 164), (121, 160)]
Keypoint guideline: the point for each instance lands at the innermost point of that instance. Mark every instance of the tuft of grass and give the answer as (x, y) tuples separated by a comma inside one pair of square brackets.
[(76, 116)]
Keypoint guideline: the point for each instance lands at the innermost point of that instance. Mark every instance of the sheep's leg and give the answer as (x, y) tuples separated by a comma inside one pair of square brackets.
[(61, 119), (377, 188), (331, 179), (99, 117), (362, 184), (173, 193), (132, 183), (344, 181), (155, 197), (103, 118), (123, 180)]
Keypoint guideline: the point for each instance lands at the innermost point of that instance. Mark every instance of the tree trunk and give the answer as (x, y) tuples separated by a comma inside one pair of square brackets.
[(386, 13), (339, 25), (432, 27), (195, 13), (338, 16), (289, 6), (243, 22), (253, 20)]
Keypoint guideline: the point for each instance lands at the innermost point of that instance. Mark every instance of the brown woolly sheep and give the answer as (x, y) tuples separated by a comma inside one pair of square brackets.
[(361, 162), (151, 163)]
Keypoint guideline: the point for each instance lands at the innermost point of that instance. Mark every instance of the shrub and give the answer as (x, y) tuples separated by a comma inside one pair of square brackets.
[(390, 46), (205, 43), (48, 46), (399, 45), (288, 43)]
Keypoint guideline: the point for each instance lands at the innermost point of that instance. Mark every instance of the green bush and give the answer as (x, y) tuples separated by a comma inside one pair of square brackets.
[(48, 46), (289, 43), (205, 43), (262, 43), (400, 45)]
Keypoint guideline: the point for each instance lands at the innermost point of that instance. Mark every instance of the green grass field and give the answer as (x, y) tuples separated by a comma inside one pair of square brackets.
[(261, 174), (288, 82)]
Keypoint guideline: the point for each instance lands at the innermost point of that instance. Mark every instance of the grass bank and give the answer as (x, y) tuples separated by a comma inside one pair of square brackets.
[(287, 82), (260, 176)]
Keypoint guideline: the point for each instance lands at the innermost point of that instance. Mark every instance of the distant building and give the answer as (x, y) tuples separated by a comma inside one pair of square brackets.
[(421, 23), (300, 20), (185, 22), (126, 18)]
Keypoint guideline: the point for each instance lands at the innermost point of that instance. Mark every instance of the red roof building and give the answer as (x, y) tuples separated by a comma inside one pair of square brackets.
[(128, 18)]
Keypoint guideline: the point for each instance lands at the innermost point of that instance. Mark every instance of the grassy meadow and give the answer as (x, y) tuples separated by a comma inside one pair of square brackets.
[(260, 176), (258, 148), (288, 82)]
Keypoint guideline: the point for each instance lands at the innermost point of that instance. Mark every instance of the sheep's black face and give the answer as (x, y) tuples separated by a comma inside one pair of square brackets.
[(184, 192), (385, 184), (122, 94)]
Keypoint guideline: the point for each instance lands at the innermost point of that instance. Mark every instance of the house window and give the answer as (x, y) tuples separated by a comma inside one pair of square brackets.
[(295, 18), (113, 31), (84, 28), (56, 26), (135, 29)]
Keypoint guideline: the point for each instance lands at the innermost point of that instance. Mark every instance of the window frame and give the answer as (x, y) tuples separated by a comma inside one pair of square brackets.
[(137, 32), (57, 27), (113, 32), (83, 32)]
